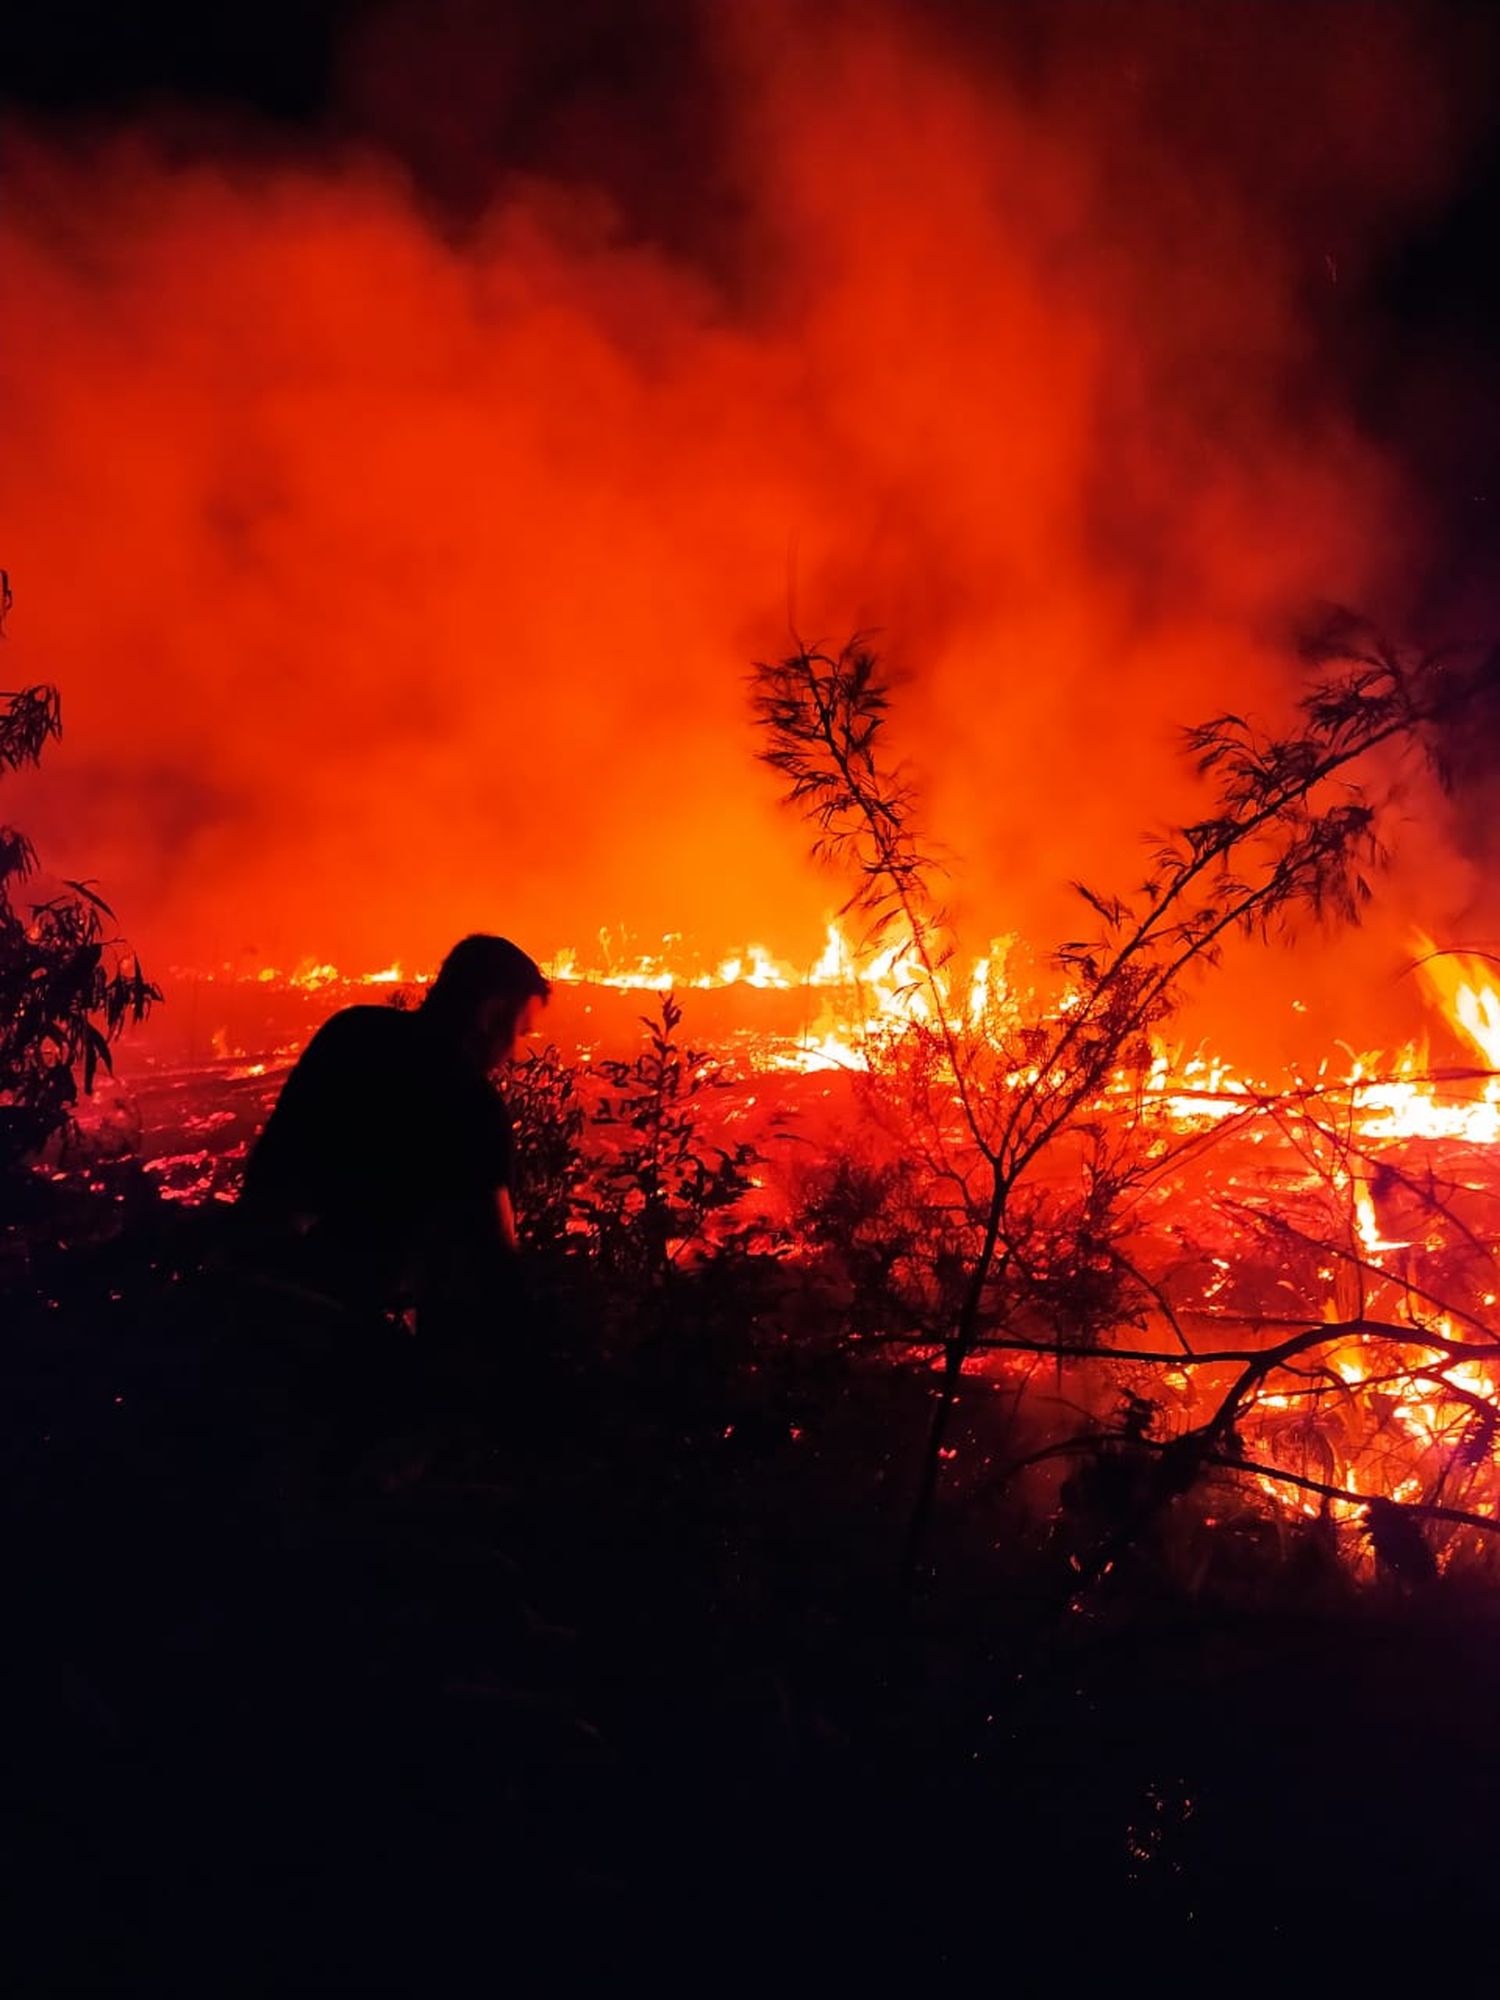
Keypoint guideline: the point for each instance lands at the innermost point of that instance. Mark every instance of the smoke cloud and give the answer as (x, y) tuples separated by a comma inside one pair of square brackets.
[(399, 510)]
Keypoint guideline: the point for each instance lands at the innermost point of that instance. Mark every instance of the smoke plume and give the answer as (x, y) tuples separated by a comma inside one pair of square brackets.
[(399, 506)]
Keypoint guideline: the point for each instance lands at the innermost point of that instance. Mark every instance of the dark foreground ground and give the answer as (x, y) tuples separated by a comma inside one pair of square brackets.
[(322, 1678)]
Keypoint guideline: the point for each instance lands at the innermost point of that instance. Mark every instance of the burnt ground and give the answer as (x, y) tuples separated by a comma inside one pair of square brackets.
[(325, 1676)]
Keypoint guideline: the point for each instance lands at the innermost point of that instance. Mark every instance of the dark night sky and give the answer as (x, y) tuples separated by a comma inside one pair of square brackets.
[(275, 57), (284, 64)]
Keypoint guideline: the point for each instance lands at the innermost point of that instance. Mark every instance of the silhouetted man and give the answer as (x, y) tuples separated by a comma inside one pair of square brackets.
[(385, 1169)]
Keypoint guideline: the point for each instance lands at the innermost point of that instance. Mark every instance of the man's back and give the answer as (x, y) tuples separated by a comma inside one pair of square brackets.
[(385, 1149)]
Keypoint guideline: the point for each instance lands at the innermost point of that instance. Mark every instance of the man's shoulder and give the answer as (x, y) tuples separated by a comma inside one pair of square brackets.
[(364, 1030), (368, 1018)]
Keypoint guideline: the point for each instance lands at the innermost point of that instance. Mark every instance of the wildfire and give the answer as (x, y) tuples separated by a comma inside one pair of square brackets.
[(858, 995), (907, 312), (1359, 1194)]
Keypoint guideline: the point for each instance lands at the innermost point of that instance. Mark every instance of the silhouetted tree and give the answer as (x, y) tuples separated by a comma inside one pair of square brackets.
[(68, 987), (1028, 1181)]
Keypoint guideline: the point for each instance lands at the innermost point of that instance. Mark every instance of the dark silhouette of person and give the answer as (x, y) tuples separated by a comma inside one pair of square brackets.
[(384, 1176)]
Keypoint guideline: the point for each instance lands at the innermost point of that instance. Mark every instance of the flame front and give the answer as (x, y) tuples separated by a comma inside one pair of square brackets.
[(1362, 1195)]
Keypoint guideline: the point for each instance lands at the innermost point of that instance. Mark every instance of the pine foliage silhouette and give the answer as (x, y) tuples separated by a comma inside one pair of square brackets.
[(1027, 1183)]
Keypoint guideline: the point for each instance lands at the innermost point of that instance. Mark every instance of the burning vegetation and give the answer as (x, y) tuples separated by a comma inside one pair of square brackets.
[(936, 1304), (977, 1345), (1262, 1302)]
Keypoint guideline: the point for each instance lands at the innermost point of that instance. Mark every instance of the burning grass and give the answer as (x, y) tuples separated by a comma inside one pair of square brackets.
[(1310, 1320), (1165, 1276), (634, 1620)]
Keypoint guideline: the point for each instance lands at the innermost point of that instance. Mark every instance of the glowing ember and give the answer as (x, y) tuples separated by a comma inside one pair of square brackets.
[(1367, 1222)]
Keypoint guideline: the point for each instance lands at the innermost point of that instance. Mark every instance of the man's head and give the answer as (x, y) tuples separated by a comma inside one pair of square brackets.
[(487, 994)]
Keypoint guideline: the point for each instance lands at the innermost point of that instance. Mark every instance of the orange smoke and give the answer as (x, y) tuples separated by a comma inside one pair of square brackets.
[(401, 579)]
